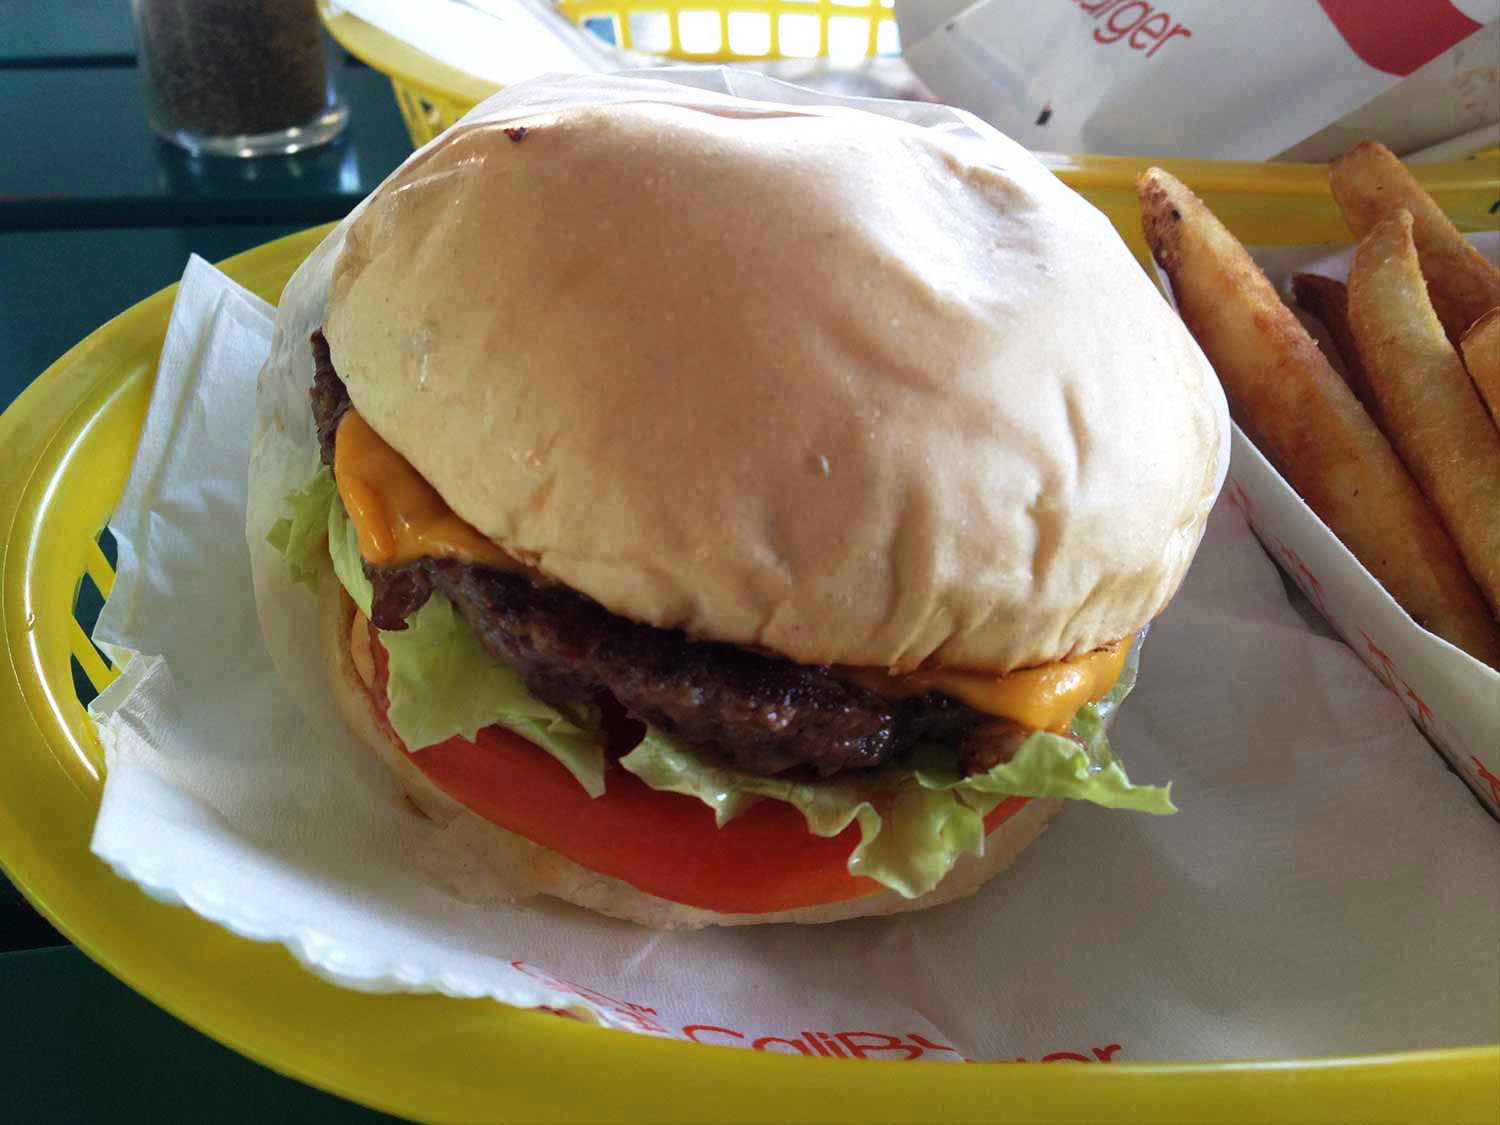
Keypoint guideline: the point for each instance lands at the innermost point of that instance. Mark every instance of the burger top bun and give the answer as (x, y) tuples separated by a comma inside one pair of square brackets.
[(806, 379)]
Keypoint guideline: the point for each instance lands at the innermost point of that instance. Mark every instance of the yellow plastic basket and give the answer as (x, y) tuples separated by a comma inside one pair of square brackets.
[(735, 30), (65, 448), (433, 96)]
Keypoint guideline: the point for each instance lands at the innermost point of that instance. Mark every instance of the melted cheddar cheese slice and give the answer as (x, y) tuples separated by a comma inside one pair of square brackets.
[(1042, 698), (399, 518)]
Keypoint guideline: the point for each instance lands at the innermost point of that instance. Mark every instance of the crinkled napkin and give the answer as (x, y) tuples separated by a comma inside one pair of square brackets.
[(1327, 887)]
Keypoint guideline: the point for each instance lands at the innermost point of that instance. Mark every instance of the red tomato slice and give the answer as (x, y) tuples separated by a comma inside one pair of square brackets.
[(665, 844)]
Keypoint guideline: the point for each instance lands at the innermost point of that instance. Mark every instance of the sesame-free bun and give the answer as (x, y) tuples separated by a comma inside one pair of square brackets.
[(812, 380), (500, 864)]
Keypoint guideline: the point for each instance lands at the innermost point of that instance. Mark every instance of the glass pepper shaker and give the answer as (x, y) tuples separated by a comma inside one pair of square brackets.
[(238, 77)]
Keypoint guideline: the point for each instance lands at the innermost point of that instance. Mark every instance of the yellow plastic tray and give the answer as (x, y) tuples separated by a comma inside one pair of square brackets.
[(65, 448), (433, 95), (870, 13)]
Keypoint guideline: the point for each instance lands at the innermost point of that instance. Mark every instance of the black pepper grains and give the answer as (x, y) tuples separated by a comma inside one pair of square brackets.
[(231, 67)]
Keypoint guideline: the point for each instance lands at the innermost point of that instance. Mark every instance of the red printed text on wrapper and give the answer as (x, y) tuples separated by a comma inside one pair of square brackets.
[(854, 1044)]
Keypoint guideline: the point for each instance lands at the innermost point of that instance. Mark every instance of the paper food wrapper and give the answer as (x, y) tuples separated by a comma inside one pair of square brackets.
[(1453, 697), (1207, 79), (502, 41), (1328, 886), (510, 41)]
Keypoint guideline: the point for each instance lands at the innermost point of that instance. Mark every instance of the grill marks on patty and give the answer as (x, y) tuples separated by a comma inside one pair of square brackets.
[(762, 714)]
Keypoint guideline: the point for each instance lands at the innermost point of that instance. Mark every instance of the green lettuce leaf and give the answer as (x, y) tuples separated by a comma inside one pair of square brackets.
[(299, 534), (933, 814), (1049, 765), (920, 839), (443, 682), (915, 819), (667, 763), (1082, 768)]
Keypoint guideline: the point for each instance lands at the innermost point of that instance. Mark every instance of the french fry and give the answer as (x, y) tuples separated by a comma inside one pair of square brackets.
[(1282, 390), (1371, 185), (1481, 348), (1431, 413), (1328, 300)]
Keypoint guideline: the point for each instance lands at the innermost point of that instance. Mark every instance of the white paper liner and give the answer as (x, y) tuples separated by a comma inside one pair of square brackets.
[(511, 41), (1326, 888), (1453, 697)]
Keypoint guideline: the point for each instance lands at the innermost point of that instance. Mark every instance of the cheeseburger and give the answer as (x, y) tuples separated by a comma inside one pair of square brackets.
[(728, 512)]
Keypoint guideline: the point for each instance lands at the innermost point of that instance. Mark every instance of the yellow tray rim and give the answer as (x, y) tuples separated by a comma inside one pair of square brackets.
[(440, 1059)]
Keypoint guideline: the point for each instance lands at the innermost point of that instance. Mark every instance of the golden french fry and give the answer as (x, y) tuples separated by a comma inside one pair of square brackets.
[(1328, 300), (1371, 185), (1431, 413), (1283, 391), (1481, 347)]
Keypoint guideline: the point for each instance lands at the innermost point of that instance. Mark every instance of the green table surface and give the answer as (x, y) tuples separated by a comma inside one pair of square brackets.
[(59, 285), (59, 32), (79, 153), (76, 1045), (95, 215)]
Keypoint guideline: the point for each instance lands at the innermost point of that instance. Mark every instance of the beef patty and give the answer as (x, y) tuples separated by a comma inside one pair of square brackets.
[(764, 715)]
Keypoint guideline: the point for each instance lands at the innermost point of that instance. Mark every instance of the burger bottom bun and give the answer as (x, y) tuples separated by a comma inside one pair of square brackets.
[(497, 863)]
